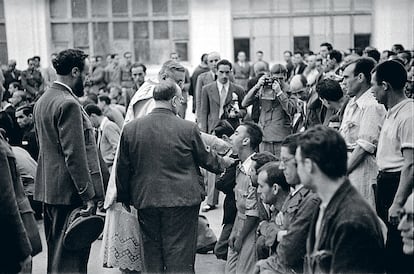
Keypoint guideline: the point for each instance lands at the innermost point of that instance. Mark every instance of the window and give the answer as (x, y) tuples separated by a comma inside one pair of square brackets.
[(80, 31), (119, 8), (79, 8), (242, 44), (362, 40), (140, 7), (159, 7), (121, 30), (301, 43), (3, 44), (161, 30), (99, 8), (151, 29)]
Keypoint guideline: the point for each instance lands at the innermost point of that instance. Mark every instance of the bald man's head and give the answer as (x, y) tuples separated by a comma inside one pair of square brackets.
[(298, 87), (213, 58), (259, 67)]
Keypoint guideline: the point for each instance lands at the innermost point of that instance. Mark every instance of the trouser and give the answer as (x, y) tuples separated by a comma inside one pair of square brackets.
[(36, 206), (222, 245), (60, 259), (272, 147), (210, 182), (387, 185), (169, 238)]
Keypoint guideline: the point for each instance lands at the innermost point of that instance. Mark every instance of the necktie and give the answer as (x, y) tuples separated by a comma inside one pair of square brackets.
[(223, 96)]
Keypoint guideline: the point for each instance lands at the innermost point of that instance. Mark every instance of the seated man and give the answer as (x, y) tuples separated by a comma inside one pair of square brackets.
[(24, 117), (288, 230)]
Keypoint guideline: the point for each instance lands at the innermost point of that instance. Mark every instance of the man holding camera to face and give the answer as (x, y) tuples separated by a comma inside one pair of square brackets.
[(276, 108)]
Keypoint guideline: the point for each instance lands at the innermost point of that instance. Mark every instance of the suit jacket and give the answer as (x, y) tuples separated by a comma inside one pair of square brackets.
[(108, 141), (299, 68), (351, 239), (202, 80), (9, 78), (68, 167), (312, 116), (166, 173), (114, 115), (210, 107)]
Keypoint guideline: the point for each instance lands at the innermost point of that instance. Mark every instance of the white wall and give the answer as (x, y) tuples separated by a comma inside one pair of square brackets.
[(210, 29), (26, 30), (393, 23)]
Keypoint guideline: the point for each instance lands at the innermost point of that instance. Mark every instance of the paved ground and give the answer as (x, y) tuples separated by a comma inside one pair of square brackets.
[(205, 264)]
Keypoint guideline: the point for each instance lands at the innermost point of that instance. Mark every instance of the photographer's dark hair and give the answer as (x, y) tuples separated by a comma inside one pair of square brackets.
[(330, 90), (274, 175), (165, 91), (327, 148), (255, 134), (68, 59), (223, 128), (93, 109), (225, 63), (291, 142), (392, 72)]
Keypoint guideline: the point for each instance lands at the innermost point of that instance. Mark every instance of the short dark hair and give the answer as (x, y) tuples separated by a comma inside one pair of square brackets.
[(389, 52), (255, 134), (375, 54), (127, 52), (36, 57), (364, 65), (104, 98), (223, 128), (274, 175), (68, 59), (259, 51), (291, 142), (335, 54), (299, 52), (29, 59), (398, 47), (203, 56), (27, 109), (165, 91), (137, 65), (16, 85), (327, 45), (93, 109), (224, 62), (391, 72), (330, 90), (288, 51), (263, 158), (327, 148)]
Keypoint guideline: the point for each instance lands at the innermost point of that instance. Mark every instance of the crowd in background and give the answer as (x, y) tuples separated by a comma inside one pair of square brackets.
[(322, 176)]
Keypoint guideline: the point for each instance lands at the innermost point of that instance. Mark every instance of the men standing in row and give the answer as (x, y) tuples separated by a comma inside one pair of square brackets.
[(168, 220), (394, 156), (345, 234), (361, 126), (68, 173)]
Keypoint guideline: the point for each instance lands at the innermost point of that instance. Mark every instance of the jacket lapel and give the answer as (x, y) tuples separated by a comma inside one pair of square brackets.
[(230, 94), (214, 93)]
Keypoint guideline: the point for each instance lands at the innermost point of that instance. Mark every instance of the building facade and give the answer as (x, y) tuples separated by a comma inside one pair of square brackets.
[(151, 29)]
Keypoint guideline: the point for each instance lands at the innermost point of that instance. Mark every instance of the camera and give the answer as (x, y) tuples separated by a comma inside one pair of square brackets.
[(267, 93)]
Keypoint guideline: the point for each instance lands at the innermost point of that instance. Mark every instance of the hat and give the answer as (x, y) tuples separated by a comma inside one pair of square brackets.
[(82, 231)]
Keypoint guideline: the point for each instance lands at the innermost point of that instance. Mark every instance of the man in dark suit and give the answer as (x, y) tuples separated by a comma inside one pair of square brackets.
[(221, 99), (68, 173), (164, 183), (299, 63), (11, 75)]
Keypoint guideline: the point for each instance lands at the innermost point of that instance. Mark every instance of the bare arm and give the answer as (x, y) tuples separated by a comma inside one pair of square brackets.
[(356, 158)]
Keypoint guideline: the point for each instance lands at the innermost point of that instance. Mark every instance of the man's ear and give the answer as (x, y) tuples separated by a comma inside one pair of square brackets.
[(225, 138), (309, 165), (246, 141), (75, 71), (385, 85), (275, 189)]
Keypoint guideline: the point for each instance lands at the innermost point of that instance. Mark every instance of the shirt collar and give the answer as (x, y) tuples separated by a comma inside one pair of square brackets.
[(220, 86), (103, 123), (396, 109), (68, 88), (247, 164), (363, 98), (293, 191)]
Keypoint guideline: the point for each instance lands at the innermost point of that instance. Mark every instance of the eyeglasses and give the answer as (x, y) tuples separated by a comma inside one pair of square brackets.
[(180, 99), (402, 213), (137, 74), (284, 161)]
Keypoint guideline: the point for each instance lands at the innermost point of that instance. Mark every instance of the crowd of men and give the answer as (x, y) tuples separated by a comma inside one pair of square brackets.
[(314, 155)]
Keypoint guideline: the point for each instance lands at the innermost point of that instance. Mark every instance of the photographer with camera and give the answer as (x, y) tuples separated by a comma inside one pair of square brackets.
[(276, 108)]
